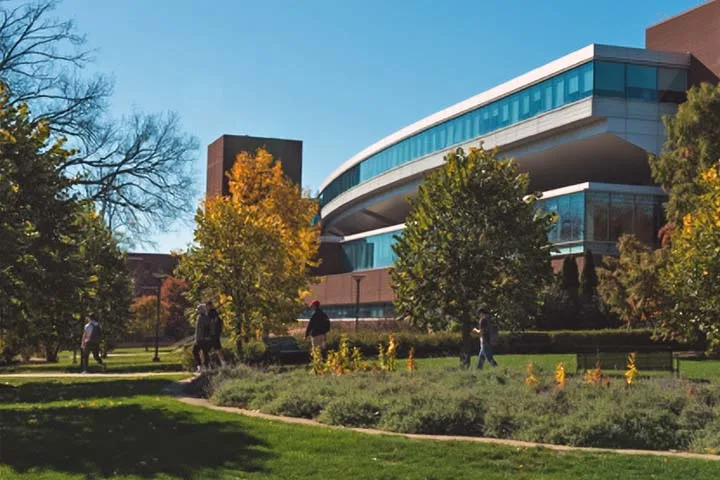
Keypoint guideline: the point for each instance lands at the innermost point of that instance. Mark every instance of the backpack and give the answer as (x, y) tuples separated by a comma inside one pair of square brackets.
[(95, 333)]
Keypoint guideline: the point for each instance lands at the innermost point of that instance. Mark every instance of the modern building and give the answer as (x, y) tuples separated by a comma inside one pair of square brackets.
[(223, 152), (582, 126)]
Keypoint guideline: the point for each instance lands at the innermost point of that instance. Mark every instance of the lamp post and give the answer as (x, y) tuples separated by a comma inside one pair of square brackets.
[(358, 279)]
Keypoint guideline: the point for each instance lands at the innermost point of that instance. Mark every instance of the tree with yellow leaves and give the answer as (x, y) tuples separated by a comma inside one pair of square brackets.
[(253, 249), (692, 275)]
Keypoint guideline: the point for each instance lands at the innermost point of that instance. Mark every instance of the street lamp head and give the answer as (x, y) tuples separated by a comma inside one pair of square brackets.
[(358, 277)]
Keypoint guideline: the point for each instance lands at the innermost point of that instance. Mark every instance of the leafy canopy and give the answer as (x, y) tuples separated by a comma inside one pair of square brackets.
[(692, 275), (692, 146), (630, 285), (254, 248), (474, 237)]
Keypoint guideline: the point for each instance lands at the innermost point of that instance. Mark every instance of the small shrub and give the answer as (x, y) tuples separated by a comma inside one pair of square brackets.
[(302, 404), (352, 412), (254, 352)]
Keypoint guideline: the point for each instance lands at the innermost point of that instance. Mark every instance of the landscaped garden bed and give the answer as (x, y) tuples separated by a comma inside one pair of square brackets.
[(594, 410)]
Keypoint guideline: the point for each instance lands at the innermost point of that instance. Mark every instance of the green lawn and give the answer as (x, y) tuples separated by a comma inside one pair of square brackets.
[(694, 369), (131, 429), (126, 360)]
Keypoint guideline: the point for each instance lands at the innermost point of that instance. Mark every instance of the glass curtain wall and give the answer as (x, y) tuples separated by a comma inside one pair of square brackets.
[(607, 79), (371, 252)]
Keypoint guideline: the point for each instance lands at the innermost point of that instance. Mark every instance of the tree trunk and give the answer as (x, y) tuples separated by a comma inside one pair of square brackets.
[(465, 352), (74, 361), (51, 354)]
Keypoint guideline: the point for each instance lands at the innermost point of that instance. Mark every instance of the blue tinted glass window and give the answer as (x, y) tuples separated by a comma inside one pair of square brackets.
[(672, 85), (641, 82), (599, 78), (610, 79)]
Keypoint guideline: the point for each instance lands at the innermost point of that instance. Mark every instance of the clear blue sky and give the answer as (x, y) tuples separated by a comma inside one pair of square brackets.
[(337, 74)]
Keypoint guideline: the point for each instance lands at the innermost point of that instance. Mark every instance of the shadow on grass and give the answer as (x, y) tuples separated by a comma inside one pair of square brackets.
[(125, 440), (94, 368), (43, 391)]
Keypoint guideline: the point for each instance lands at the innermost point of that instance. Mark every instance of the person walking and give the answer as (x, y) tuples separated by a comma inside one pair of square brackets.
[(318, 326), (202, 338), (90, 343), (486, 331), (216, 328)]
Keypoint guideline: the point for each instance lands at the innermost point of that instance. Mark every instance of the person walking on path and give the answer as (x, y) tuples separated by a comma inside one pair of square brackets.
[(318, 326), (216, 328), (90, 343), (202, 338), (486, 331)]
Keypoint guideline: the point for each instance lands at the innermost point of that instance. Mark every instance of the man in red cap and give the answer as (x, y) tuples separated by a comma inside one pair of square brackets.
[(318, 326)]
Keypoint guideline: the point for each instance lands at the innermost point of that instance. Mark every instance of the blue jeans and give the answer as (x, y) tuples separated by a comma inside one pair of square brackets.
[(485, 354)]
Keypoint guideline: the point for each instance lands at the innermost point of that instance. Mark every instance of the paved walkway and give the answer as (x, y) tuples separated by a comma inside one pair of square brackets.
[(90, 375), (201, 402)]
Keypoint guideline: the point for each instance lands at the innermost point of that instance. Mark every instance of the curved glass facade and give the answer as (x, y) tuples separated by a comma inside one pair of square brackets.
[(589, 219), (611, 79)]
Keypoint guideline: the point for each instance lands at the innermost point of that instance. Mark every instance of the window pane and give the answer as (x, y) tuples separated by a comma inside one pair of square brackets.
[(621, 214), (672, 85), (609, 79), (598, 212), (642, 82)]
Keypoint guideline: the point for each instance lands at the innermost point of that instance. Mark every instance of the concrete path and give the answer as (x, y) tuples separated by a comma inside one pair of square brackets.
[(90, 375), (201, 402)]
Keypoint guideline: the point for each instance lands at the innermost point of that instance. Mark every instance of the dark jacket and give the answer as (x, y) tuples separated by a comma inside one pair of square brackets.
[(216, 323), (319, 324), (202, 329)]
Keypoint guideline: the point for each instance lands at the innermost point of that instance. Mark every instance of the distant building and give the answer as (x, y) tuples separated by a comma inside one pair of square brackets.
[(145, 268), (223, 151)]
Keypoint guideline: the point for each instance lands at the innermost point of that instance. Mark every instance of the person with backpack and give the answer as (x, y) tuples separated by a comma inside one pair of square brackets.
[(488, 334), (202, 338), (318, 326), (90, 343), (216, 328)]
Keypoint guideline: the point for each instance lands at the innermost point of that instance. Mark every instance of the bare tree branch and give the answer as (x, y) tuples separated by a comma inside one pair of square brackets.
[(138, 170)]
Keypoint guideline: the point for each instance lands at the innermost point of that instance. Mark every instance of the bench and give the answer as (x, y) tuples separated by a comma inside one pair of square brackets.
[(662, 360), (285, 350)]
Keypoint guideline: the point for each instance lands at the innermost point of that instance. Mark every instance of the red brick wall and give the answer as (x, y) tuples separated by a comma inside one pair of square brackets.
[(340, 289), (142, 266), (696, 31), (215, 173)]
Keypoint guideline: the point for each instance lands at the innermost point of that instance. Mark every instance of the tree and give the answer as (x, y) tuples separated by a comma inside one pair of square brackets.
[(692, 274), (254, 248), (474, 237), (588, 276), (59, 261), (137, 170), (692, 146), (630, 285), (37, 227), (570, 277), (144, 317), (174, 303)]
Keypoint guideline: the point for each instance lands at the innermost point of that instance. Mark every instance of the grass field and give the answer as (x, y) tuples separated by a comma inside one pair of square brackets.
[(693, 369), (125, 360), (94, 427)]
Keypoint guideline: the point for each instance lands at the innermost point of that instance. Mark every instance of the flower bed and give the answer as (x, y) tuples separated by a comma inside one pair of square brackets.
[(651, 413)]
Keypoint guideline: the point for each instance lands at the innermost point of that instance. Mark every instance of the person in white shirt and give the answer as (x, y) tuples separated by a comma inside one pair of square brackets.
[(90, 343)]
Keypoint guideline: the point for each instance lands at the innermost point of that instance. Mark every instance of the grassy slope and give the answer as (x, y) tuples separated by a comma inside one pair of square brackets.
[(127, 360), (95, 428)]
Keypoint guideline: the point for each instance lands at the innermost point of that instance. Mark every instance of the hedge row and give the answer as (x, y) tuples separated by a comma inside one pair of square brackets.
[(565, 341)]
